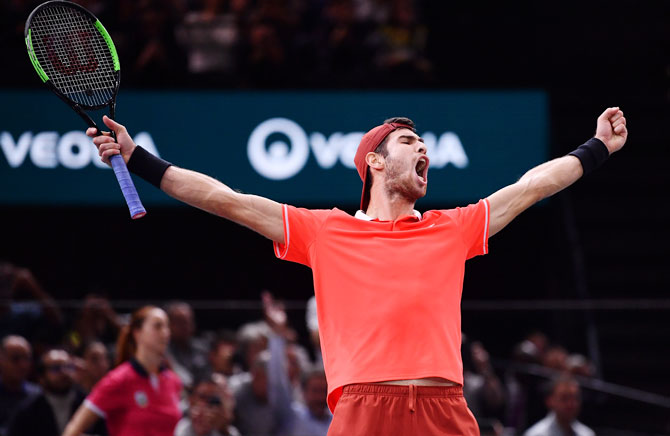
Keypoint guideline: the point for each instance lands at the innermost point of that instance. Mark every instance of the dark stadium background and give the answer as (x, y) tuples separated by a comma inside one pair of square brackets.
[(604, 239)]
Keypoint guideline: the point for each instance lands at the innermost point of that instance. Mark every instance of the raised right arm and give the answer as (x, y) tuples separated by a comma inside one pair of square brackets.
[(257, 213), (260, 214)]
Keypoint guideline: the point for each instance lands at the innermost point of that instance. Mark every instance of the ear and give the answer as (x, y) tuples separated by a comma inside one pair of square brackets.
[(374, 160)]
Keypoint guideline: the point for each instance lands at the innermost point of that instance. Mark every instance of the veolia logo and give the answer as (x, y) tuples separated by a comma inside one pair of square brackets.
[(73, 150), (280, 160)]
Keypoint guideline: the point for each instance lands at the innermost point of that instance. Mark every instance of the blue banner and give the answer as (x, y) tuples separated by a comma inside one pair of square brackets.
[(294, 147)]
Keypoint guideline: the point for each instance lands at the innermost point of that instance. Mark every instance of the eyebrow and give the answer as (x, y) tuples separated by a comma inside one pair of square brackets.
[(418, 138)]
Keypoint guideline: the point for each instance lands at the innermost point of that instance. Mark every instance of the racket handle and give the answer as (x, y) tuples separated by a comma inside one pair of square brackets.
[(127, 187)]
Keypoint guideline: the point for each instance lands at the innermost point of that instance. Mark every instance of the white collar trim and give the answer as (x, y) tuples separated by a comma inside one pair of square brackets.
[(363, 216)]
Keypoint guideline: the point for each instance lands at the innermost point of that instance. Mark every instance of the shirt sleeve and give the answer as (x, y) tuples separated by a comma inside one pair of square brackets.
[(106, 396), (301, 228), (473, 222)]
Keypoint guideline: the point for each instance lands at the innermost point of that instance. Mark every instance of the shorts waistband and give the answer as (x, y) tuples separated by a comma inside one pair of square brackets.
[(403, 390)]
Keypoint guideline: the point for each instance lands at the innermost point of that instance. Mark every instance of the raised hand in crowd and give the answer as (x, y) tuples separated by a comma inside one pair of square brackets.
[(19, 284), (275, 316)]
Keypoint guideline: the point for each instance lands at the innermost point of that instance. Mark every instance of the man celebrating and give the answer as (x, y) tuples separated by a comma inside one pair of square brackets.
[(388, 281)]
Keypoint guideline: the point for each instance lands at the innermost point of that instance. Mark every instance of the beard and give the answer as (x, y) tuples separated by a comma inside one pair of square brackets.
[(401, 183)]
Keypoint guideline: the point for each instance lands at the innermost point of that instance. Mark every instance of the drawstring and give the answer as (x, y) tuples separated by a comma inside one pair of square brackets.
[(412, 398)]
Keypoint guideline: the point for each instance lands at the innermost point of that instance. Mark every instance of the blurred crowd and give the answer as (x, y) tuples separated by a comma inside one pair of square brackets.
[(254, 43), (258, 379)]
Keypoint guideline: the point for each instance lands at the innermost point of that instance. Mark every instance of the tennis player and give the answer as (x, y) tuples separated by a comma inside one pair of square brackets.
[(140, 397), (388, 280)]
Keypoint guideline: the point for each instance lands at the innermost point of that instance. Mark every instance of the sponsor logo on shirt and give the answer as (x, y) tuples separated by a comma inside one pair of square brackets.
[(141, 399)]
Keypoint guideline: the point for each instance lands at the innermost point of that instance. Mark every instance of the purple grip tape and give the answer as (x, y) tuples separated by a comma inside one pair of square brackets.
[(127, 187)]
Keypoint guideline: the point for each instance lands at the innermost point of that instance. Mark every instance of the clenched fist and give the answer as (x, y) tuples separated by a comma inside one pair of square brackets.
[(611, 129)]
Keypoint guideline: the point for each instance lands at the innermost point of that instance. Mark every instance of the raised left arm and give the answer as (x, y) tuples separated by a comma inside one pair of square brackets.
[(551, 177)]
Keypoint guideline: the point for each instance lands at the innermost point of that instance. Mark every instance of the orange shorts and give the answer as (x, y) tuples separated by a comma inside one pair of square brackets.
[(369, 409)]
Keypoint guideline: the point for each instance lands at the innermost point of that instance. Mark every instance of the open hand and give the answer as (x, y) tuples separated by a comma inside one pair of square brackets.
[(611, 129), (275, 315)]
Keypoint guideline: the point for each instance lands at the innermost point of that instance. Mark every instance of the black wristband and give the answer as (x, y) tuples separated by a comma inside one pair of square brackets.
[(149, 167), (591, 154)]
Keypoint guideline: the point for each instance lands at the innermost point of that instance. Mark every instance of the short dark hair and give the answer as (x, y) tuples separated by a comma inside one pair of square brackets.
[(401, 120), (549, 387), (171, 305), (203, 378), (381, 148), (40, 365), (224, 336)]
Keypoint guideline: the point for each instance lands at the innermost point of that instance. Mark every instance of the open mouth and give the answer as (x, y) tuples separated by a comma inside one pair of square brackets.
[(421, 168)]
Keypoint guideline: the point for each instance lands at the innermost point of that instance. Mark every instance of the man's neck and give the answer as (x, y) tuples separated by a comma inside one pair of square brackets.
[(389, 210)]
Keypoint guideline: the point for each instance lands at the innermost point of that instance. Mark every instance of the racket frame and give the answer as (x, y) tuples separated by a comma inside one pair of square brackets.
[(118, 164)]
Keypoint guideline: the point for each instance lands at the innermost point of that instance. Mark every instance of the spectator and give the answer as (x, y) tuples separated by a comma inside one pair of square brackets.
[(482, 388), (96, 321), (252, 338), (211, 37), (313, 416), (152, 44), (344, 46), (555, 357), (186, 353), (94, 365), (264, 51), (207, 411), (563, 401), (15, 363), (298, 363), (226, 427), (402, 42), (297, 418), (524, 400), (539, 343), (141, 395), (236, 42), (48, 413), (253, 413), (580, 365), (222, 352), (26, 309)]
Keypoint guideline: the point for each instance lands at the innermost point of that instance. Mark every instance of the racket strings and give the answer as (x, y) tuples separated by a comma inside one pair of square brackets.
[(74, 55)]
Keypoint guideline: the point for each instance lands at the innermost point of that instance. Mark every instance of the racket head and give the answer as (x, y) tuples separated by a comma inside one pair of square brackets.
[(73, 54)]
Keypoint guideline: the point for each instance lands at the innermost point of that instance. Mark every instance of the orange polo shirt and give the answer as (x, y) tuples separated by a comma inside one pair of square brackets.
[(388, 293)]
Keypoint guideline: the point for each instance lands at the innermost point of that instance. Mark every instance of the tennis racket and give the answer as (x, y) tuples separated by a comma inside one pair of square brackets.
[(75, 57)]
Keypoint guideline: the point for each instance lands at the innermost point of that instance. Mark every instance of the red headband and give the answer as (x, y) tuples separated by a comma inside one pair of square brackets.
[(370, 142)]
